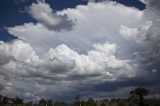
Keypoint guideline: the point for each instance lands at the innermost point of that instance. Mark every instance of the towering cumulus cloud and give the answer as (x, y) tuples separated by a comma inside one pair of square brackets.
[(107, 44)]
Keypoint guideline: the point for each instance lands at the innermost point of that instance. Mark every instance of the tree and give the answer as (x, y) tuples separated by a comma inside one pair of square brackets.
[(17, 100), (49, 102), (140, 93), (5, 100), (103, 104), (83, 103), (77, 100), (56, 103), (42, 102), (30, 103), (0, 98), (91, 102)]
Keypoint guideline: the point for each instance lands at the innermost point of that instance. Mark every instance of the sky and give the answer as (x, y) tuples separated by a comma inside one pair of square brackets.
[(93, 48)]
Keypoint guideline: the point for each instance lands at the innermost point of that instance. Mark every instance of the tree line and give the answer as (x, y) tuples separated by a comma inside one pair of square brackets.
[(136, 98)]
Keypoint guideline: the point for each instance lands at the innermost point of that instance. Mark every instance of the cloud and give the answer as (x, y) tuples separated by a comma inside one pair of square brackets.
[(109, 45), (6, 86), (43, 13), (62, 61), (153, 5), (138, 34), (95, 0), (62, 65), (92, 26), (143, 1)]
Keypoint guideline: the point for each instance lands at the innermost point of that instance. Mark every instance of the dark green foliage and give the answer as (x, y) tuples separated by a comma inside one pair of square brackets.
[(138, 94), (17, 100), (56, 103), (5, 100), (49, 102), (91, 102), (60, 104), (42, 102), (136, 98), (77, 100), (83, 103), (103, 104)]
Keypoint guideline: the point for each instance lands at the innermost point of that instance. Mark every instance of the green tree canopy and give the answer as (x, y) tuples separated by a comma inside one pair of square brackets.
[(140, 93)]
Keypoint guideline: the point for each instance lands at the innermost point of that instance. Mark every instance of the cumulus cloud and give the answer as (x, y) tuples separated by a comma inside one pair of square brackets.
[(153, 4), (138, 33), (62, 66), (95, 0), (43, 13), (6, 86), (110, 45), (143, 1), (92, 26), (64, 61)]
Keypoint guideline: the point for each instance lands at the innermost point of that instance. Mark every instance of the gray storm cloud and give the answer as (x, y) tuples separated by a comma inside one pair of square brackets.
[(153, 4)]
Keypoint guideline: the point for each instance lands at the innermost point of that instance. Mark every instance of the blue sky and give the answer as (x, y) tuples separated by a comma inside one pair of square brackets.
[(60, 48)]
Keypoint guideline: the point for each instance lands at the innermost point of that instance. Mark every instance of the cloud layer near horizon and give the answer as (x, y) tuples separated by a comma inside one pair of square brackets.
[(107, 44)]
